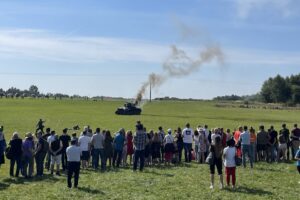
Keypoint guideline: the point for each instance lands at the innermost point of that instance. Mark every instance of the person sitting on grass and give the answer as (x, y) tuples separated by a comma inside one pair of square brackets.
[(55, 148), (73, 156), (229, 162)]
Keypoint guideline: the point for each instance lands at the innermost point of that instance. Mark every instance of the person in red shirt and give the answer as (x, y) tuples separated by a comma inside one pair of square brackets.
[(236, 138)]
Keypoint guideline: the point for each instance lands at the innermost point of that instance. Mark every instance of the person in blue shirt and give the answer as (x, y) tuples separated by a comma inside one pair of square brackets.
[(245, 143), (118, 147)]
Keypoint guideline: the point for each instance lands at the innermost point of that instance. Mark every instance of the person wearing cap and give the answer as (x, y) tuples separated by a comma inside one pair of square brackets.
[(65, 139), (73, 155), (28, 150), (56, 151), (188, 135), (118, 144), (16, 150), (140, 139), (169, 147)]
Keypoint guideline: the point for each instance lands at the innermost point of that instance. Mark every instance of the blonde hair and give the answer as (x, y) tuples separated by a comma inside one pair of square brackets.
[(15, 135)]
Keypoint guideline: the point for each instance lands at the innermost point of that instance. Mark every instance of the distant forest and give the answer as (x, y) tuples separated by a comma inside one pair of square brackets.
[(274, 90)]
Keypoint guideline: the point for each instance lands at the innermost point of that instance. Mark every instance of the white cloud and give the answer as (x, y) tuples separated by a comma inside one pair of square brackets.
[(285, 8), (46, 45)]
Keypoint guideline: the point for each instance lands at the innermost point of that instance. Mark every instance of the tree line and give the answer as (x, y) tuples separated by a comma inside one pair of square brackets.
[(276, 89)]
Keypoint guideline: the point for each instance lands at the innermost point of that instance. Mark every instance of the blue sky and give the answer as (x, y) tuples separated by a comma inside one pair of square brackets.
[(109, 47)]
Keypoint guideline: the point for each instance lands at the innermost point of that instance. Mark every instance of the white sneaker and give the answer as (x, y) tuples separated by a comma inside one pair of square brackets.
[(211, 187), (221, 186)]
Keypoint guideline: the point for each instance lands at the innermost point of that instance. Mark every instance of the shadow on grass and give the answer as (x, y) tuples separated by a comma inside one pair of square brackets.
[(22, 180), (90, 190), (159, 174), (250, 191), (3, 186)]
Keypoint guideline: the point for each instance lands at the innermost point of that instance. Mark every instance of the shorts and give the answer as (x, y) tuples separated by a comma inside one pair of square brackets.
[(85, 155), (218, 163), (261, 147), (55, 159)]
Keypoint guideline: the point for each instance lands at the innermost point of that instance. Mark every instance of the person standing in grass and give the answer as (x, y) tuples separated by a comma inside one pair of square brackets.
[(161, 134), (236, 137), (41, 150), (129, 139), (245, 144), (97, 143), (139, 141), (56, 150), (286, 133), (155, 148), (262, 142), (73, 155), (118, 147), (179, 143), (50, 138), (84, 143), (217, 150), (108, 148), (2, 146), (196, 141), (169, 147), (229, 162), (295, 136), (297, 158), (65, 139), (188, 135), (28, 151), (273, 141), (253, 144), (16, 152), (202, 145)]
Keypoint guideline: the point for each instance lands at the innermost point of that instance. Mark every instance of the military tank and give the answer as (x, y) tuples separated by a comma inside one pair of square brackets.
[(129, 109)]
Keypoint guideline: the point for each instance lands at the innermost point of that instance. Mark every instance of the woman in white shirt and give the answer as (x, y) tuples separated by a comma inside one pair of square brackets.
[(229, 162), (169, 147)]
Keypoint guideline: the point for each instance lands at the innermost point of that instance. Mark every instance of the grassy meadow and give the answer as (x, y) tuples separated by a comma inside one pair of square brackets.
[(187, 181)]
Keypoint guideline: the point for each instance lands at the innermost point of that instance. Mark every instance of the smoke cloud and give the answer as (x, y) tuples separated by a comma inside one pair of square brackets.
[(180, 64)]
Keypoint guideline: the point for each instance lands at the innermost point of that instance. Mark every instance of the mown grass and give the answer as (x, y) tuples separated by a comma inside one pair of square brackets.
[(191, 181)]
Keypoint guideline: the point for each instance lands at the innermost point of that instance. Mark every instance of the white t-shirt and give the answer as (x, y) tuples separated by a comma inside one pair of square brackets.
[(73, 153), (169, 139), (213, 138), (50, 138), (188, 134), (229, 156), (84, 142)]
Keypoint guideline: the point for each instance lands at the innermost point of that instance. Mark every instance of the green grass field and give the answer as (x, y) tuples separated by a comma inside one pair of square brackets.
[(191, 181)]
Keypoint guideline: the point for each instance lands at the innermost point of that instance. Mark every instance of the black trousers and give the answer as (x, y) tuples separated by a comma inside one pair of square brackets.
[(64, 159), (39, 160), (73, 168)]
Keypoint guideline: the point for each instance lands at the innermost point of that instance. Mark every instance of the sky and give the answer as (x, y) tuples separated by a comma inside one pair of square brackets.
[(109, 47)]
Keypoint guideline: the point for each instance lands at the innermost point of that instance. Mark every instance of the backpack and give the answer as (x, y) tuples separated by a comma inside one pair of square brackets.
[(8, 153), (45, 147)]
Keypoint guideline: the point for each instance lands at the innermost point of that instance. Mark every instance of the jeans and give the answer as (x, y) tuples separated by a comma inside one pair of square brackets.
[(253, 151), (15, 160), (64, 159), (139, 155), (103, 159), (271, 153), (95, 158), (247, 150), (39, 160), (74, 168), (117, 156), (180, 148), (28, 166), (187, 152), (197, 157)]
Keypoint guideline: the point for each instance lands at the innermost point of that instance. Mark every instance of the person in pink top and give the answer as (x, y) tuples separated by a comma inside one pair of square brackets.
[(236, 137), (130, 151)]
